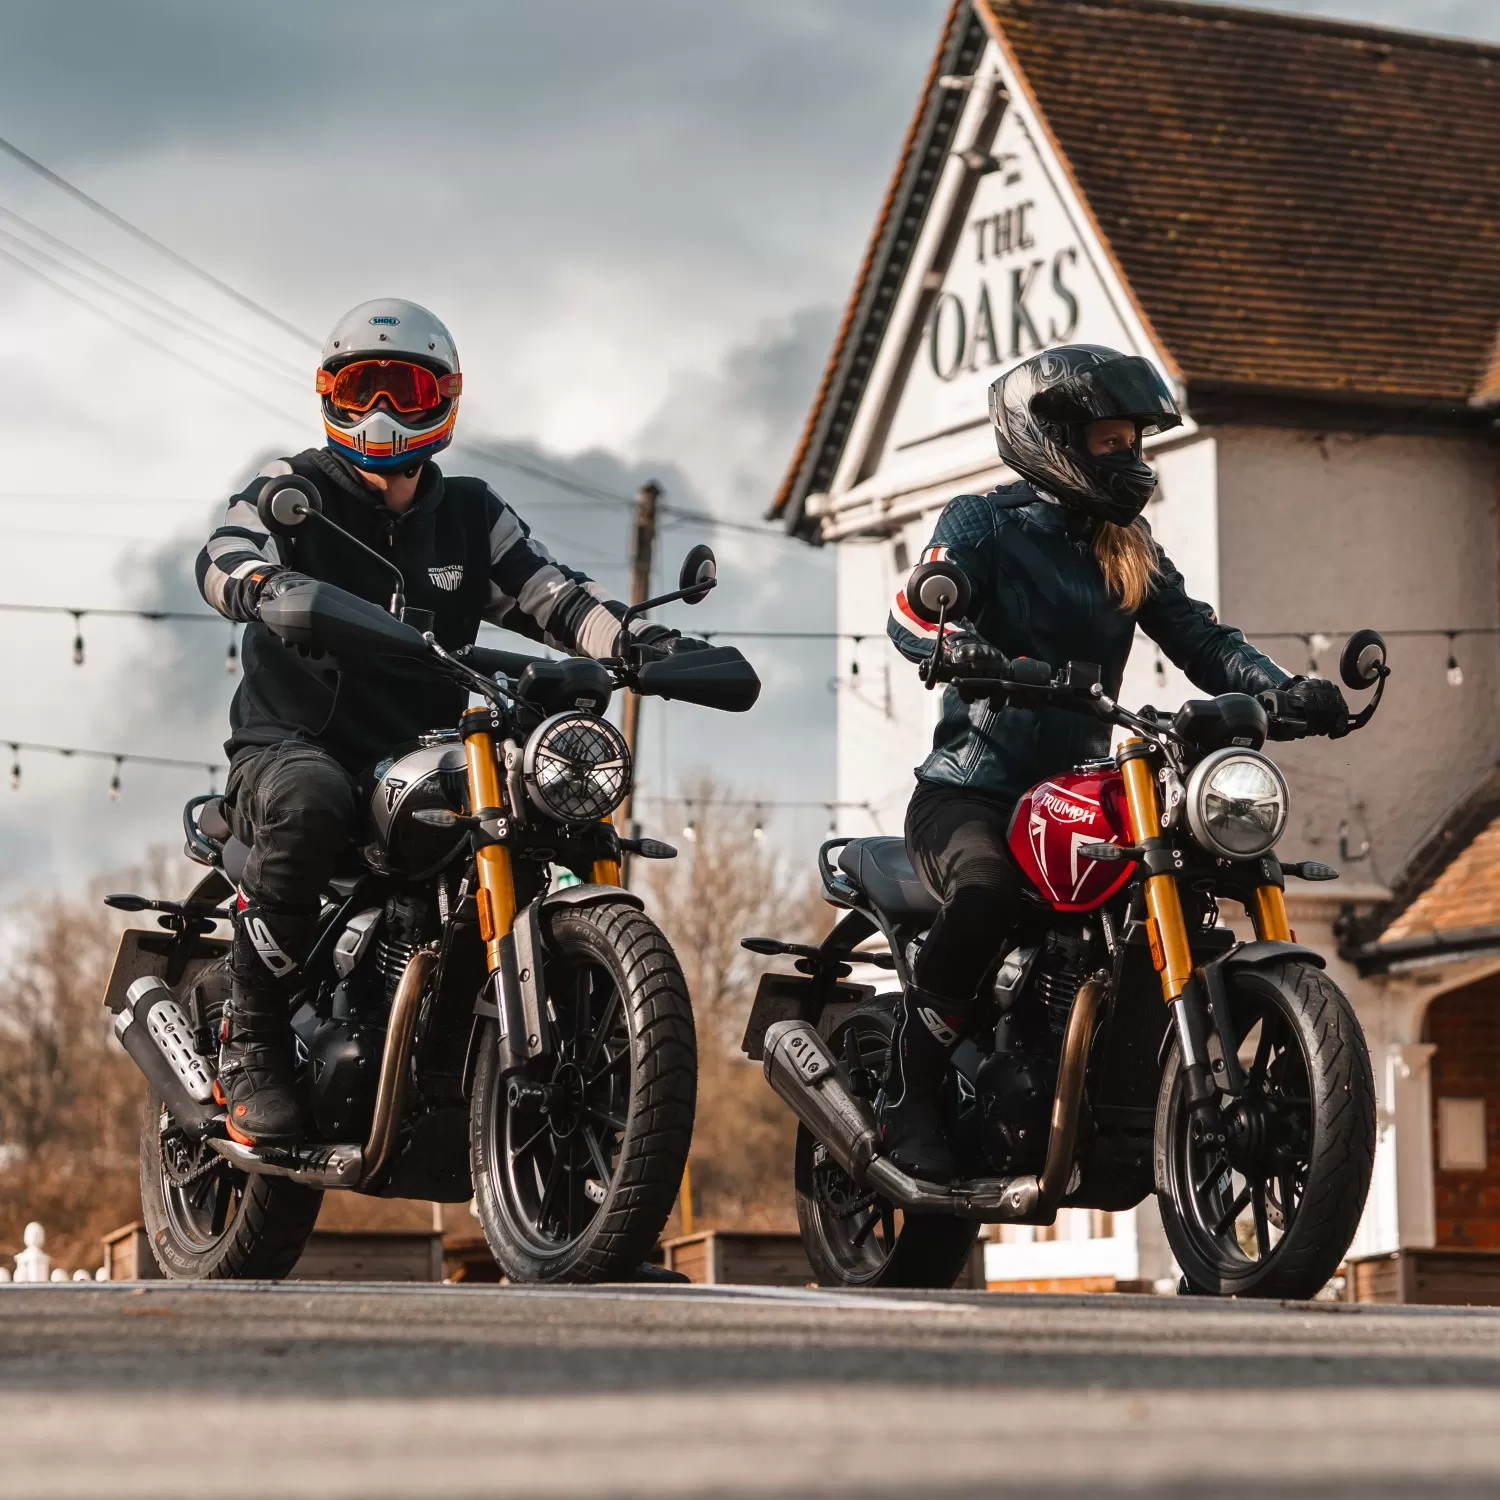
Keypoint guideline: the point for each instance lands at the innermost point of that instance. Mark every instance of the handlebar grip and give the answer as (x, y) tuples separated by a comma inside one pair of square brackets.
[(1030, 672), (493, 661)]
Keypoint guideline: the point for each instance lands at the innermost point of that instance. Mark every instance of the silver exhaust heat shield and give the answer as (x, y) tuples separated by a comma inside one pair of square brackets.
[(153, 1028), (801, 1070), (314, 1166)]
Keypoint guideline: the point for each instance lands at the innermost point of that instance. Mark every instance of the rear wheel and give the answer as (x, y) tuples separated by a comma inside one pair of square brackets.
[(209, 1222), (1263, 1199), (852, 1235), (206, 1220), (577, 1158)]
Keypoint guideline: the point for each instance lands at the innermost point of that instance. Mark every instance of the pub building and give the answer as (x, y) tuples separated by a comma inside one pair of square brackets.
[(1298, 221)]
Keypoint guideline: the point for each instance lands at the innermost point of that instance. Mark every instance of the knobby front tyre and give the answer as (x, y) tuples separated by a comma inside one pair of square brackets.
[(577, 1158), (1266, 1202)]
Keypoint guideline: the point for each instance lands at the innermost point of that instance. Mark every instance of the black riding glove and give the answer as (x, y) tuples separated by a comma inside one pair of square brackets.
[(978, 659), (273, 584), (660, 642), (1320, 703)]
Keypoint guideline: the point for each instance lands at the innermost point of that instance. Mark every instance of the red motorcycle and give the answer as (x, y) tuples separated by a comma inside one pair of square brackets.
[(1245, 1102)]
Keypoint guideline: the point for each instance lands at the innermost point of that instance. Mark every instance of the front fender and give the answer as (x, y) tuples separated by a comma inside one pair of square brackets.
[(1269, 951), (592, 895)]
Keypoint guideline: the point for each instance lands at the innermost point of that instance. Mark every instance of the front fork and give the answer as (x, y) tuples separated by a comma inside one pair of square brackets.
[(1166, 929), (518, 999)]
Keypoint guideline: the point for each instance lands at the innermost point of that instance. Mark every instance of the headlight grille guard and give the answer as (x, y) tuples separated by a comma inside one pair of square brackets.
[(576, 767)]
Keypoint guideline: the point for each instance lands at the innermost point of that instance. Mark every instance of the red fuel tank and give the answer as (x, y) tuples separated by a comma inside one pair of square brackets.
[(1054, 820)]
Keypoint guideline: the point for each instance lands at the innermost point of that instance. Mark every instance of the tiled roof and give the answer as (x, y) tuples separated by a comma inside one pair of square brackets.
[(1299, 206), (1464, 897)]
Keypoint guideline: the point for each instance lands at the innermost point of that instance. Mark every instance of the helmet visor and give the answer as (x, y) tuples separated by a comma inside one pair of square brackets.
[(406, 388), (1126, 387)]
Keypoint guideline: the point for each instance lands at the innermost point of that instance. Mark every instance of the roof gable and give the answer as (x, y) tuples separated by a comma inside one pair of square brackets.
[(1297, 207)]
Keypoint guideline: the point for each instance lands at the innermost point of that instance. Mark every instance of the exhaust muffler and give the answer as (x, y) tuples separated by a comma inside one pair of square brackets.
[(803, 1073), (154, 1029)]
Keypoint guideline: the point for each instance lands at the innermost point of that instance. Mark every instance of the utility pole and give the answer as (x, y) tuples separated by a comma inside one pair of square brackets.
[(642, 551)]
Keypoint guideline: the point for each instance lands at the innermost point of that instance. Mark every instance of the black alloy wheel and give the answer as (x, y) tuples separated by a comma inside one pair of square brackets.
[(576, 1158), (1261, 1194), (852, 1235)]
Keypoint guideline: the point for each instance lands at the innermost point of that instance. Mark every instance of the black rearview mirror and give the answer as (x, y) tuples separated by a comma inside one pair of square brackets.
[(938, 590), (1362, 661), (286, 502), (699, 574)]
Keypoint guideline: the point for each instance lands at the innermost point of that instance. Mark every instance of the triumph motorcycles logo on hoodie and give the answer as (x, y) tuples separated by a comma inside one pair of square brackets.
[(447, 578)]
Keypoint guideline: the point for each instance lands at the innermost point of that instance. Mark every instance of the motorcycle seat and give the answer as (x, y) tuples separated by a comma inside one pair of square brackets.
[(881, 868), (233, 855)]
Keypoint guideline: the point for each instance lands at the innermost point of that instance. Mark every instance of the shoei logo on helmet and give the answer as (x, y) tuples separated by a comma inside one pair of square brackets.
[(385, 320)]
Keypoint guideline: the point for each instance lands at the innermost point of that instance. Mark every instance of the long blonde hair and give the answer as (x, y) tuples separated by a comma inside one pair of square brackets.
[(1129, 561)]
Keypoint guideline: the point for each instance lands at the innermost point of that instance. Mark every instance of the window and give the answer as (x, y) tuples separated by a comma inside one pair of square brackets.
[(1462, 1146)]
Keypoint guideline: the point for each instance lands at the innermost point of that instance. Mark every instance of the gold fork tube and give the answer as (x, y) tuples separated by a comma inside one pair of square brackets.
[(1165, 925), (1269, 914), (496, 896)]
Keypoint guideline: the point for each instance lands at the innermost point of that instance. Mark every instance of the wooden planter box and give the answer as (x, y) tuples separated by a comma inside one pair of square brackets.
[(331, 1255), (1449, 1278), (744, 1257)]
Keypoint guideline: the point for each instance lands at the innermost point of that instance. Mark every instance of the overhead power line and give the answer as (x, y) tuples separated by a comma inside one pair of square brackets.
[(150, 240)]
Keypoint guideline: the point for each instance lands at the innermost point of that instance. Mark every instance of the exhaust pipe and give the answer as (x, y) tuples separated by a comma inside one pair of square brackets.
[(802, 1072), (154, 1029)]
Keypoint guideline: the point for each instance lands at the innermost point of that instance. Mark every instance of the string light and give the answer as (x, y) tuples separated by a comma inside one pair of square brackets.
[(758, 833), (1161, 669), (690, 828), (119, 757), (1455, 672), (77, 637), (854, 656), (232, 655)]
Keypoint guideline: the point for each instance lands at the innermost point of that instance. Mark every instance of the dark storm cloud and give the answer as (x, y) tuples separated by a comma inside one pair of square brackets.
[(100, 78)]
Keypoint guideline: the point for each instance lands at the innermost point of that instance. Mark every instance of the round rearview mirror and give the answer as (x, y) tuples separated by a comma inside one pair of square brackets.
[(699, 574), (937, 589), (286, 502), (1362, 661)]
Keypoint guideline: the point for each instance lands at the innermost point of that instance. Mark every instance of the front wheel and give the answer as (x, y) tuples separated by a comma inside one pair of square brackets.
[(577, 1157), (1263, 1199)]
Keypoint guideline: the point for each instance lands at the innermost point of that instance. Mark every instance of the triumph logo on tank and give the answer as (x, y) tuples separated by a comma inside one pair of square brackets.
[(447, 578), (1065, 808)]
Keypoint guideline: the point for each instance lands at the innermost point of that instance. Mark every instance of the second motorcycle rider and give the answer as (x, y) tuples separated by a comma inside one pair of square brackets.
[(1063, 568), (304, 729)]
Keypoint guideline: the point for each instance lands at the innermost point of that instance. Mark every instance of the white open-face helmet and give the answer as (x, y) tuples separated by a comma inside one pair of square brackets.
[(390, 384)]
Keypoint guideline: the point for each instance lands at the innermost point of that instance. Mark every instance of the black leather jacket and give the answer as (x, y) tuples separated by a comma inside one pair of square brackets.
[(1038, 592)]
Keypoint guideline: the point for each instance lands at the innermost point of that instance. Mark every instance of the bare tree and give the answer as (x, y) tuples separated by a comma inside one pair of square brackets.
[(725, 885), (70, 1099)]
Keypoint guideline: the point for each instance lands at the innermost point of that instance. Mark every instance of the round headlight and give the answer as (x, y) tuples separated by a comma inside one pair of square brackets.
[(1236, 804), (576, 767)]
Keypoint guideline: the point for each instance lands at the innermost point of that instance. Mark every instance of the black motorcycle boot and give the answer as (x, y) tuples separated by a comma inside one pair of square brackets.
[(911, 1123), (255, 1043)]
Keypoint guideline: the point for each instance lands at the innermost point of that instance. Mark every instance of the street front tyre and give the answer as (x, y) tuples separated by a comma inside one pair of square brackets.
[(1264, 1200), (208, 1222), (851, 1234), (577, 1157)]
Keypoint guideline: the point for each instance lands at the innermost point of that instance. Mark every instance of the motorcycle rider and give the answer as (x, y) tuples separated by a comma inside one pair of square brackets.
[(303, 728), (1063, 567)]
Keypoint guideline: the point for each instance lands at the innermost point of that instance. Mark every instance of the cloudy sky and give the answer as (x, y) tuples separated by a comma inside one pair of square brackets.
[(638, 221)]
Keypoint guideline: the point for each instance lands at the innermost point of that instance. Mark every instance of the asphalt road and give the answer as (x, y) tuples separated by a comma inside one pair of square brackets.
[(334, 1391)]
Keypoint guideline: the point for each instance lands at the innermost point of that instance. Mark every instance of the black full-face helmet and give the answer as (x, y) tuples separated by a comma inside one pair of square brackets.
[(1041, 408)]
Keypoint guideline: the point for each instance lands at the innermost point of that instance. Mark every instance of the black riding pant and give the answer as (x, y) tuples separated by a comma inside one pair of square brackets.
[(295, 806), (957, 844)]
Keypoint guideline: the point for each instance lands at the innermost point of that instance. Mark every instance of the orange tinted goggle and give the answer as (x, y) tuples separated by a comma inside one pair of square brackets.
[(408, 388)]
